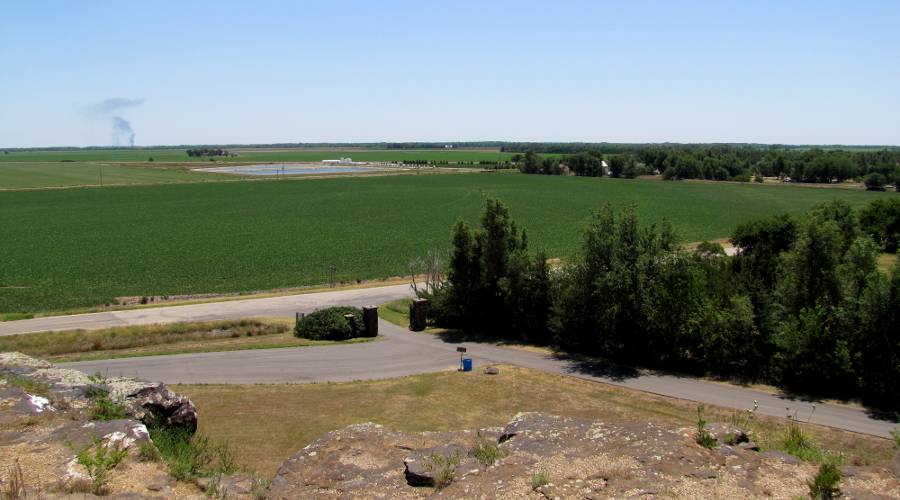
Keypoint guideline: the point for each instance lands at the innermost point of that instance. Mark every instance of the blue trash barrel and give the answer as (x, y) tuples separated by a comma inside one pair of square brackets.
[(467, 364)]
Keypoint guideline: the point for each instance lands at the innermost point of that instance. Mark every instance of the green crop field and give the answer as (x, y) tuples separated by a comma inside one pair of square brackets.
[(23, 175), (250, 155), (79, 247), (37, 169)]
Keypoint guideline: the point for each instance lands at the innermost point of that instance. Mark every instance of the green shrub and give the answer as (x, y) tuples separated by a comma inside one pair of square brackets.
[(98, 459), (443, 467), (331, 324), (487, 452), (825, 484)]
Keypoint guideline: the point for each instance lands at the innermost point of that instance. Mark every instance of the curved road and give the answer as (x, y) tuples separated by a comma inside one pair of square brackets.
[(398, 352)]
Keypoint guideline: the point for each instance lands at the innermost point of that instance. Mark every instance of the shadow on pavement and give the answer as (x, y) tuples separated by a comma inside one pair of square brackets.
[(596, 367)]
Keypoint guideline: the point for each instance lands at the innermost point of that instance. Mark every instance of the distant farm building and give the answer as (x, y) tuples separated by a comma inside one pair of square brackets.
[(342, 161)]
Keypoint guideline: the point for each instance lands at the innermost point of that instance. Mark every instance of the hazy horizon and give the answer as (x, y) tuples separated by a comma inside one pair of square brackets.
[(804, 73)]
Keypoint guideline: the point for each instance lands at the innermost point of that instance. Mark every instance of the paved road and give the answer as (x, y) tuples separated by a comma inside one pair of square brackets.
[(230, 309), (398, 353), (401, 352)]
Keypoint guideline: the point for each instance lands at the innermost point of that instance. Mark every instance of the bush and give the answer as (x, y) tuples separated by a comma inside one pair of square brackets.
[(875, 182), (331, 324), (825, 484)]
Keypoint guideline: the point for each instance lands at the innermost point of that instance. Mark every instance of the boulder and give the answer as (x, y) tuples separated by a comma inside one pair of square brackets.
[(150, 402)]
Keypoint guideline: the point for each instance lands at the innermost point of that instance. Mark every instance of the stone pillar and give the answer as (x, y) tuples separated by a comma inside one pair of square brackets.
[(370, 320), (418, 315)]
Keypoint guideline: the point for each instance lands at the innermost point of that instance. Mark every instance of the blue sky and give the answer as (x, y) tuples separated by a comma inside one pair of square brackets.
[(261, 72)]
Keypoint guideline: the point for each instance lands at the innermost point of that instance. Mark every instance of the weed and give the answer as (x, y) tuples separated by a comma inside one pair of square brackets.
[(260, 487), (704, 438), (826, 483), (798, 443), (224, 455), (147, 452), (107, 409), (895, 434), (192, 455), (444, 467), (487, 452), (539, 479), (99, 462), (15, 485)]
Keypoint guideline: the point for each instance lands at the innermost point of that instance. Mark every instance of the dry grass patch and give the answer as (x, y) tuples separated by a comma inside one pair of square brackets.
[(268, 423), (151, 340)]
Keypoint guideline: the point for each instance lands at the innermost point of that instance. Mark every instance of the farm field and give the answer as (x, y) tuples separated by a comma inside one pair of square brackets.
[(25, 175), (251, 155), (73, 248)]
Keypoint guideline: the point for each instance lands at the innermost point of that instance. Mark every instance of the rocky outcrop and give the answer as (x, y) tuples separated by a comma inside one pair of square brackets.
[(48, 416), (150, 402), (545, 456)]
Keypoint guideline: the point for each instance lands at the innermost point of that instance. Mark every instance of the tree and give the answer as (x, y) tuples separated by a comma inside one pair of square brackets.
[(881, 221), (493, 286), (875, 182)]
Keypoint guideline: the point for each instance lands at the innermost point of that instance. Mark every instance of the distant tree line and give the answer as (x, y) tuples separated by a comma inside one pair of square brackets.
[(876, 168), (196, 152), (587, 164), (802, 304)]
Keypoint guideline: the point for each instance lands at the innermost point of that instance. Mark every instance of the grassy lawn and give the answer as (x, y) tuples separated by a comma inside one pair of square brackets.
[(75, 248), (267, 423), (152, 340), (21, 175)]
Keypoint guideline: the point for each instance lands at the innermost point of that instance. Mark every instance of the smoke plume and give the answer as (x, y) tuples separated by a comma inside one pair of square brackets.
[(113, 108), (122, 127)]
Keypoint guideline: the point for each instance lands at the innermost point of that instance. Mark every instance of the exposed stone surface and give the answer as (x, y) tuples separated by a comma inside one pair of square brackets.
[(45, 421), (149, 402), (581, 458)]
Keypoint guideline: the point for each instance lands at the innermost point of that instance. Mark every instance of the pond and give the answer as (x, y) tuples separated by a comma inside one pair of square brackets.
[(289, 169)]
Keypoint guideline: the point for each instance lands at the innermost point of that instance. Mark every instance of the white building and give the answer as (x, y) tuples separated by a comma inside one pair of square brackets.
[(342, 161)]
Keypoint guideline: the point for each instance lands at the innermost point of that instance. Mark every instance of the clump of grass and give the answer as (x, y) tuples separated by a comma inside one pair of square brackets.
[(106, 409), (799, 444), (487, 452), (147, 452), (704, 437), (444, 467), (26, 384), (825, 485), (190, 456), (540, 479), (98, 458), (103, 408), (895, 435)]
